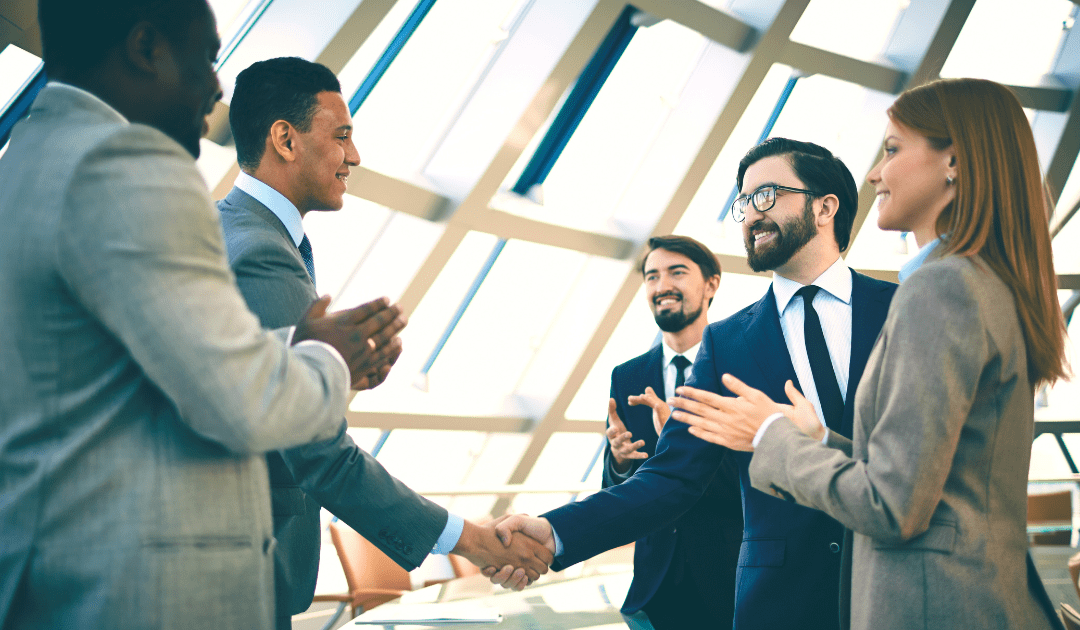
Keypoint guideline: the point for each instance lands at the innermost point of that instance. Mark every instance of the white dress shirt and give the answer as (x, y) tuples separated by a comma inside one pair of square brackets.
[(833, 306), (669, 367)]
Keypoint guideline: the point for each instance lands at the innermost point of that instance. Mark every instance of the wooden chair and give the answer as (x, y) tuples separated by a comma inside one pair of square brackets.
[(1047, 510), (373, 578), (1069, 617)]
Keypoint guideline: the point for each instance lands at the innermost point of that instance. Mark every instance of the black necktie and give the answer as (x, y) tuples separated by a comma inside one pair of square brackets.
[(681, 363), (309, 261), (832, 402)]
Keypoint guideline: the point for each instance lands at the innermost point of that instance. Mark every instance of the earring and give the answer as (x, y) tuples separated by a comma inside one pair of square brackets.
[(949, 180)]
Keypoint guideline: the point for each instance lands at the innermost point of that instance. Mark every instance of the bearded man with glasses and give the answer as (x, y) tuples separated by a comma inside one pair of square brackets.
[(814, 327)]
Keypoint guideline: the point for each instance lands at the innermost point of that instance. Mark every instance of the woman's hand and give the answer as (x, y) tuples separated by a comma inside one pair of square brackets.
[(730, 422)]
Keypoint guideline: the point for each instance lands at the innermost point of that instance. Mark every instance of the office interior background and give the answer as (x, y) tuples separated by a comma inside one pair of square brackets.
[(517, 154)]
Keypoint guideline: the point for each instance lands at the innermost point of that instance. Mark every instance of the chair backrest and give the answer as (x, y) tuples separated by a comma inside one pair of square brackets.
[(1051, 507), (364, 565)]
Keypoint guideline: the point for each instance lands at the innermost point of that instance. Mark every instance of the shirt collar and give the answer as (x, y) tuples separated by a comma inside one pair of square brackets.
[(913, 265), (67, 86), (836, 281), (276, 202), (669, 354)]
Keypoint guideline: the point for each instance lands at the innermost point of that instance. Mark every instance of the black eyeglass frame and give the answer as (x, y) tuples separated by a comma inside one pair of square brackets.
[(738, 212)]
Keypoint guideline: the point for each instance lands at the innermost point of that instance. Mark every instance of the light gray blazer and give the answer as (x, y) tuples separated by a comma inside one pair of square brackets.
[(137, 391), (335, 474), (934, 481)]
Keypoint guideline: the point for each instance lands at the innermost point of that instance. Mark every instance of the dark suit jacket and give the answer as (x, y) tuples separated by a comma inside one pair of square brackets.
[(705, 541), (335, 474), (788, 568)]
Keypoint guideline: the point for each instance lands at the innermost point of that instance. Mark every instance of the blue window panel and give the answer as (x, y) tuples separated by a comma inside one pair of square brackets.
[(407, 29), (21, 106)]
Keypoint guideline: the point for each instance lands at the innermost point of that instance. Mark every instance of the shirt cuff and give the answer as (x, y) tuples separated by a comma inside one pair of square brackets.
[(825, 438), (450, 535), (558, 543), (621, 475), (763, 427)]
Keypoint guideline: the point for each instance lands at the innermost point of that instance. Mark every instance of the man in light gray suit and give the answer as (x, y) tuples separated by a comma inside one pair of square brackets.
[(293, 136), (138, 393)]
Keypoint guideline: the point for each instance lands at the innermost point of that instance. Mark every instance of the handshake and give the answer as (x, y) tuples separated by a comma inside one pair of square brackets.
[(513, 550)]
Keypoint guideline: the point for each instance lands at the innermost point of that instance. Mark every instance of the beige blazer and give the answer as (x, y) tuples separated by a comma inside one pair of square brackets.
[(934, 482), (137, 390)]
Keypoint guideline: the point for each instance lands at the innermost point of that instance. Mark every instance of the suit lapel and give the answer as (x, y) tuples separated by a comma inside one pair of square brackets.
[(869, 306), (656, 370), (765, 342)]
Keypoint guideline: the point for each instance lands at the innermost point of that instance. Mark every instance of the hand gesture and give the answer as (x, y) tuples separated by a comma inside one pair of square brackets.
[(365, 336), (521, 557), (730, 422), (660, 409), (802, 413), (524, 526), (623, 448)]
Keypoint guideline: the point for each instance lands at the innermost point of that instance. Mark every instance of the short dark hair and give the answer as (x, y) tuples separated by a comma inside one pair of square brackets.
[(819, 170), (285, 88), (76, 35), (696, 251)]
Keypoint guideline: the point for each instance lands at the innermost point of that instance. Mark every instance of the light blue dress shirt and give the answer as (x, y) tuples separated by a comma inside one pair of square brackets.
[(917, 261), (290, 217)]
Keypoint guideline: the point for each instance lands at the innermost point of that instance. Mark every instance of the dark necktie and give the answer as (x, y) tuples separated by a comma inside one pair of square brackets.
[(832, 402), (681, 363), (309, 261)]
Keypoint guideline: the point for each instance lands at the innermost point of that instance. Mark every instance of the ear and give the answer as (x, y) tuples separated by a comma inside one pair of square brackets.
[(144, 48), (712, 285), (283, 139), (949, 155), (829, 206)]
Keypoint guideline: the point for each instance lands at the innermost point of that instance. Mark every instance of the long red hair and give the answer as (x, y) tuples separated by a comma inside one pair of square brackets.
[(1002, 208)]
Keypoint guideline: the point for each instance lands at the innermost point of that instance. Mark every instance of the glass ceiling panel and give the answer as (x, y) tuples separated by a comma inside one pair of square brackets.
[(854, 28), (369, 52), (413, 104), (492, 465), (341, 239), (644, 88), (390, 251), (226, 12), (562, 462), (1008, 41), (17, 68)]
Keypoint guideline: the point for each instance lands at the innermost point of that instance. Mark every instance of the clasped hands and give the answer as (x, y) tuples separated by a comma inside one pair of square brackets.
[(366, 336)]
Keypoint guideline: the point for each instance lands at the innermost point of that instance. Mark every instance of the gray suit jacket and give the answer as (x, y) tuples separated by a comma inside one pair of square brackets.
[(934, 482), (335, 474), (137, 392)]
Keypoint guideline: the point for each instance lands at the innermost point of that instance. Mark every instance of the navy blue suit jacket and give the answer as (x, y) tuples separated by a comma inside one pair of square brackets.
[(788, 570), (710, 532)]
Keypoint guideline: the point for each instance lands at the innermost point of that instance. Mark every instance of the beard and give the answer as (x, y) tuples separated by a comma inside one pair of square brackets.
[(675, 319), (789, 239)]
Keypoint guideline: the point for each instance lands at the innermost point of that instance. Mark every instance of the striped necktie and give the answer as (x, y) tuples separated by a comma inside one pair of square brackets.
[(309, 261)]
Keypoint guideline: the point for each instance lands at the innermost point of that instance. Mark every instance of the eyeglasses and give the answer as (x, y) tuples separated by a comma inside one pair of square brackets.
[(763, 198)]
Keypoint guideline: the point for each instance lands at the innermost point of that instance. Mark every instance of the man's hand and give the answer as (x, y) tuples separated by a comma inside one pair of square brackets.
[(623, 448), (730, 422), (660, 409), (365, 336), (521, 557), (537, 529), (801, 412)]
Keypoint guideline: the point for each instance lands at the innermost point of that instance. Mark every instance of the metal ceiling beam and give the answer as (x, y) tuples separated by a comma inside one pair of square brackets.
[(718, 26), (353, 33), (811, 60)]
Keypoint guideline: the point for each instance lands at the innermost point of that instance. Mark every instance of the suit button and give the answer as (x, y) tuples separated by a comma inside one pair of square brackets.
[(383, 533), (407, 550), (834, 547)]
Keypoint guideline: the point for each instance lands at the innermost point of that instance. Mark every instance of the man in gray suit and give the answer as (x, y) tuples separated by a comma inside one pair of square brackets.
[(138, 392), (293, 136)]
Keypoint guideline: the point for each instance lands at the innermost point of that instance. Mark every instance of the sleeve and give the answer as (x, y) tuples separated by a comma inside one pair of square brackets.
[(667, 485), (141, 247), (356, 488), (926, 370)]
